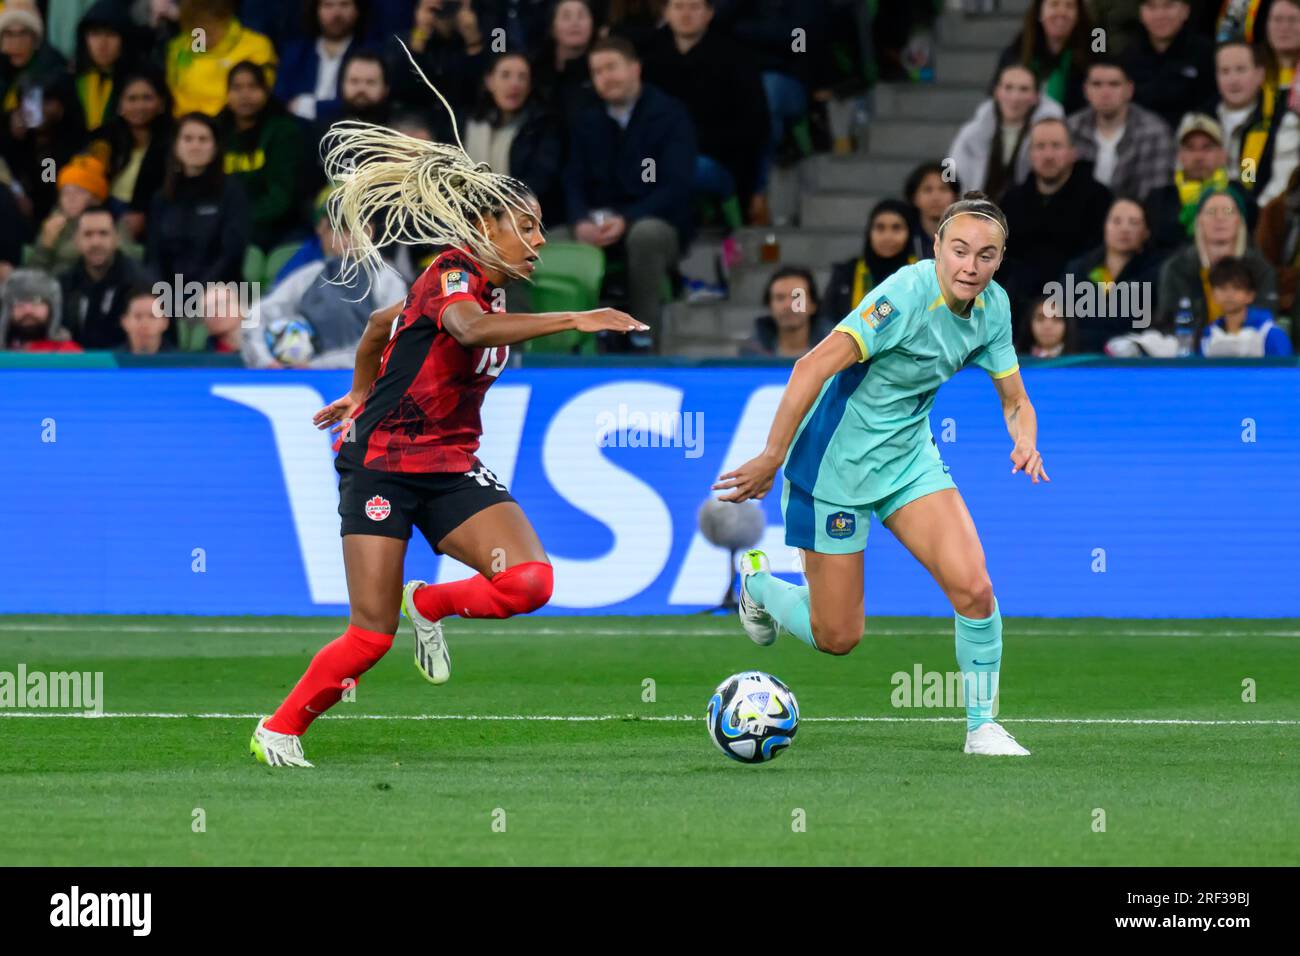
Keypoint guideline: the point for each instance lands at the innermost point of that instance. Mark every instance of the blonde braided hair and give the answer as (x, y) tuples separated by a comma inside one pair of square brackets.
[(412, 191)]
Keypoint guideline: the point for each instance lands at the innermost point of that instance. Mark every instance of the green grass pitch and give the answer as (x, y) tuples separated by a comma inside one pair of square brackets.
[(1098, 701)]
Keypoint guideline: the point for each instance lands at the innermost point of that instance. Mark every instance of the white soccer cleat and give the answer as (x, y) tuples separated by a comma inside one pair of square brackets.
[(276, 749), (432, 658), (757, 622), (992, 740)]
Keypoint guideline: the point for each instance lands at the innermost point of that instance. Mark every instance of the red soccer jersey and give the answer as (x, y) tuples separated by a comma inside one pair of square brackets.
[(422, 413)]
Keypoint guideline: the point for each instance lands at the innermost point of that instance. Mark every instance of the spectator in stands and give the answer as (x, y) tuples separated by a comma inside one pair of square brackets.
[(144, 323), (31, 316), (94, 289), (1278, 238), (722, 89), (199, 221), (27, 63), (310, 65), (887, 246), (1170, 64), (223, 318), (1054, 215), (133, 148), (522, 23), (794, 321), (82, 183), (561, 72), (262, 148), (40, 137), (1054, 43), (636, 21), (1130, 148), (198, 79), (1123, 258), (446, 40), (1120, 21), (1243, 330), (14, 232), (336, 310), (102, 62), (1261, 135), (511, 132), (991, 151), (1048, 330), (1202, 159), (1220, 233), (930, 191), (1282, 45), (628, 182), (364, 92)]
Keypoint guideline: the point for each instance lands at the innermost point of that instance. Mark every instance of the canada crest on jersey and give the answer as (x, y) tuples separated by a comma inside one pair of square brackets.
[(378, 508)]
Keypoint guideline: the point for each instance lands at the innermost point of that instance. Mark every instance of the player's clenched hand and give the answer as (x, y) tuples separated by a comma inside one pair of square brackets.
[(338, 412), (753, 479), (1028, 460), (598, 320)]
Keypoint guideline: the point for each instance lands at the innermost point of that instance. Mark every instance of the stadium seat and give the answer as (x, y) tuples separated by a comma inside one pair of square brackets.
[(254, 264), (275, 260), (568, 279)]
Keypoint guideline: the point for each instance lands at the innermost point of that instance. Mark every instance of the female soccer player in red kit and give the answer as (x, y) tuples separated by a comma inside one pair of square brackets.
[(410, 426)]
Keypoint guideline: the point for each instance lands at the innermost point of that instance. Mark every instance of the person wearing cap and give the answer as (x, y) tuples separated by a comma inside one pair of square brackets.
[(335, 305), (197, 78), (95, 287), (82, 182), (30, 314), (27, 62), (1130, 147), (1220, 231), (1171, 65), (1202, 161), (1261, 135)]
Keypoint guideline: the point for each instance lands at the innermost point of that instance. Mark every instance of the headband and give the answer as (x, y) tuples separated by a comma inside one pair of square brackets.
[(971, 212)]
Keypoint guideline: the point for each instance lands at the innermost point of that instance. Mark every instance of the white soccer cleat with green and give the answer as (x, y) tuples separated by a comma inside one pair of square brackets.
[(757, 622), (276, 749), (432, 658), (992, 740)]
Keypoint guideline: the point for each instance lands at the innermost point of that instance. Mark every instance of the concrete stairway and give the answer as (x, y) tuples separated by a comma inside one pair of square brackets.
[(910, 123)]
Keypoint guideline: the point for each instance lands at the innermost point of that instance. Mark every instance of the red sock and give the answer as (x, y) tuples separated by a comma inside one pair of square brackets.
[(344, 658), (517, 590)]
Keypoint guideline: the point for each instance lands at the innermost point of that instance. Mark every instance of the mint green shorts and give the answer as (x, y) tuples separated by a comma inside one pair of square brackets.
[(828, 528)]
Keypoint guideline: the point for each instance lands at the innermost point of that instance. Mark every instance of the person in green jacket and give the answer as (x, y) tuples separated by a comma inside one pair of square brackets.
[(262, 146)]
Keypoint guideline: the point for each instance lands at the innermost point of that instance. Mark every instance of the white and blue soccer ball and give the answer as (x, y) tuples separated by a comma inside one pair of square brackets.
[(752, 717), (291, 341)]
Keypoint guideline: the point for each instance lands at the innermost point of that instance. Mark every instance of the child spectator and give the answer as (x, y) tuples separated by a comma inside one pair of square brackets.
[(1242, 330), (1046, 333), (82, 183), (930, 191), (144, 323)]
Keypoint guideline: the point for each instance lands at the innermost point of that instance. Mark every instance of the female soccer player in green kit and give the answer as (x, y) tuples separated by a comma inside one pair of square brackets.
[(853, 433)]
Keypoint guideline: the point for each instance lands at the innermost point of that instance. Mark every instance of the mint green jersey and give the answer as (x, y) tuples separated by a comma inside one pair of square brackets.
[(868, 433)]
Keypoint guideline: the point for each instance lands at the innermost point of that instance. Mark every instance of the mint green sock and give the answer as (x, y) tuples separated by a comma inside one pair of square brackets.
[(979, 656), (786, 602)]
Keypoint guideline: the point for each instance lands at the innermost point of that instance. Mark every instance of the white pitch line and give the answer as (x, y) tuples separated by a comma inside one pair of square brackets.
[(325, 629), (594, 718)]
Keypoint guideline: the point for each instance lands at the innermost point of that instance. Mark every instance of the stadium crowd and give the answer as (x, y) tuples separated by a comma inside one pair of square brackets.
[(1146, 152)]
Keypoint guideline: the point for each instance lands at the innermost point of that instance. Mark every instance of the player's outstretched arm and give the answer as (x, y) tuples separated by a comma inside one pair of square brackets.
[(365, 370), (473, 328), (754, 478), (1022, 425)]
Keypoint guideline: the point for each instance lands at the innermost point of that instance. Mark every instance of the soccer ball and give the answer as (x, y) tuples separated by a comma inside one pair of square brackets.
[(752, 717), (290, 341)]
